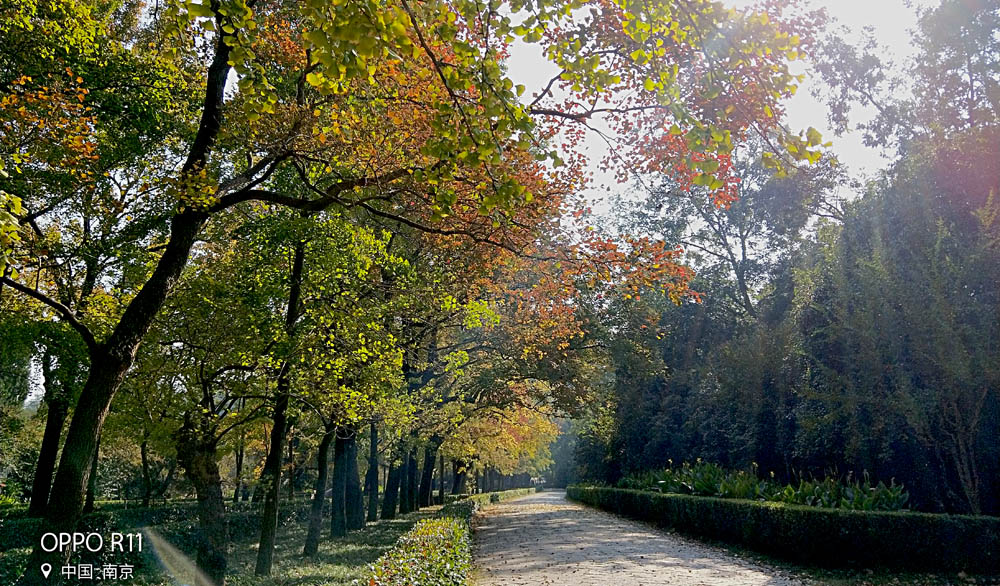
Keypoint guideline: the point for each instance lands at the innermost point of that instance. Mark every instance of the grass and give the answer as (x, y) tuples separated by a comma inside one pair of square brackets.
[(338, 561)]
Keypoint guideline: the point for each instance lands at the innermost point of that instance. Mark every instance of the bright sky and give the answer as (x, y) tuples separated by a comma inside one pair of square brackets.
[(891, 19)]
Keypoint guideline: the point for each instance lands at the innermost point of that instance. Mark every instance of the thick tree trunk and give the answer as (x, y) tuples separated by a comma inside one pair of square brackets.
[(412, 489), (371, 478), (319, 497), (355, 500), (88, 504), (459, 474), (427, 475), (441, 478), (391, 497), (338, 498), (54, 420), (196, 451)]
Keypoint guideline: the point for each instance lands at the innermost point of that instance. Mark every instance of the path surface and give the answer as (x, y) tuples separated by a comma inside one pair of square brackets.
[(546, 540)]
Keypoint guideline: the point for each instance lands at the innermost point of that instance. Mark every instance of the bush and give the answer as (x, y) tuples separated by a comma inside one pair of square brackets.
[(436, 552), (707, 479), (828, 537)]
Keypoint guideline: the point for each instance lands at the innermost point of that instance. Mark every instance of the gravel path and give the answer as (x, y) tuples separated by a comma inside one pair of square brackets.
[(544, 539)]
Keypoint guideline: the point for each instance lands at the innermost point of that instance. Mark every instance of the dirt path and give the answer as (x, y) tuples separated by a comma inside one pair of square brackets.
[(544, 539)]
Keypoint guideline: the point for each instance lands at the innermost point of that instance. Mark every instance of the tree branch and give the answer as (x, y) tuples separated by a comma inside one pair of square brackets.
[(66, 313)]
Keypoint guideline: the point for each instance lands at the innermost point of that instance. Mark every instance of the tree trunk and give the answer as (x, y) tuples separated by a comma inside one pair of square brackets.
[(240, 454), (88, 505), (459, 473), (291, 469), (338, 498), (390, 499), (404, 481), (412, 474), (354, 500), (441, 479), (269, 517), (270, 483), (147, 480), (427, 475), (371, 478), (196, 452), (54, 420), (163, 486), (316, 511)]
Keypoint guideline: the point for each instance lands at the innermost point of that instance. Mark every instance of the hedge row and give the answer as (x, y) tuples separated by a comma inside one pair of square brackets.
[(436, 552), (828, 537)]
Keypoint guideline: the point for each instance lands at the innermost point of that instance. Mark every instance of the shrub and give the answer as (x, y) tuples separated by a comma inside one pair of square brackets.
[(829, 537), (706, 479), (435, 552)]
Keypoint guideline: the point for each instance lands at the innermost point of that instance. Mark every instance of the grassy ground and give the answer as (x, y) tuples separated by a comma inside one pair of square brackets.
[(337, 563)]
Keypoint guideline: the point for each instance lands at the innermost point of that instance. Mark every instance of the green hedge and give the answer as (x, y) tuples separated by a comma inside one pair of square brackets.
[(436, 552), (829, 537)]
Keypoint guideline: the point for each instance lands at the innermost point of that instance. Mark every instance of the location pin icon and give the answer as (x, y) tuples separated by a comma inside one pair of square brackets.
[(46, 570)]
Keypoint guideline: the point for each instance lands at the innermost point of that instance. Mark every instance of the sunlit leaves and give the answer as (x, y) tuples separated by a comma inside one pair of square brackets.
[(10, 209)]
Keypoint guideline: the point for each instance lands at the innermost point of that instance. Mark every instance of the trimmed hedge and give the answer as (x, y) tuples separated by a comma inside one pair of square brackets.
[(828, 537), (436, 552)]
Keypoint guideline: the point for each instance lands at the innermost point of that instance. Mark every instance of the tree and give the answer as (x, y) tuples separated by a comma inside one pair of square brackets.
[(457, 48)]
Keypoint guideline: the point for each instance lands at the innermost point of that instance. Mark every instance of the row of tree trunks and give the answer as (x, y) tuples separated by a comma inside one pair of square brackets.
[(490, 480)]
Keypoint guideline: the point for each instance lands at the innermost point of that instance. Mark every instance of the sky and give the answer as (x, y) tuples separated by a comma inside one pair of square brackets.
[(891, 19)]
